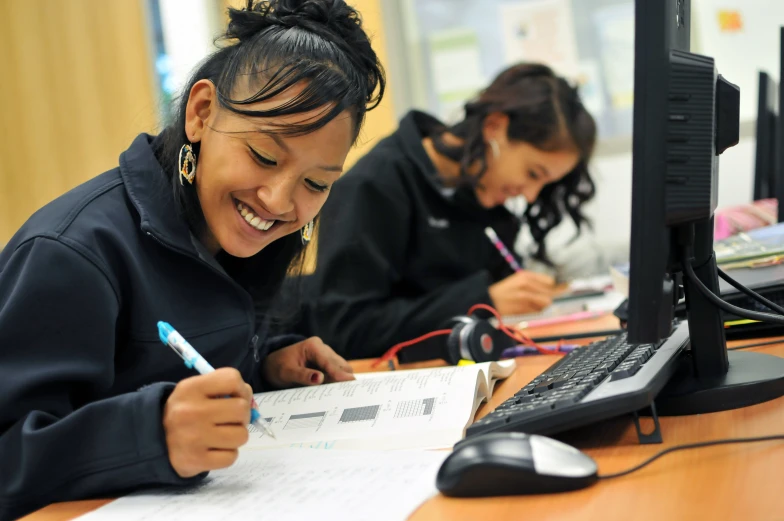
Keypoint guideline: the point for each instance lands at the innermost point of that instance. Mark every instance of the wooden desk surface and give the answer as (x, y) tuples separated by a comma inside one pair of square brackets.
[(734, 482)]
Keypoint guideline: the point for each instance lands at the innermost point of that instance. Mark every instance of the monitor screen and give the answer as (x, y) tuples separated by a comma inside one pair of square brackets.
[(765, 164)]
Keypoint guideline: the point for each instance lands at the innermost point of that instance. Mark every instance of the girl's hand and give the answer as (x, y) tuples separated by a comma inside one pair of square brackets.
[(310, 362)]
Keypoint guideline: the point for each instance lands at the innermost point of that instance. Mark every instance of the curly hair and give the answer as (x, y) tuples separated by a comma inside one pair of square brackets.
[(544, 111)]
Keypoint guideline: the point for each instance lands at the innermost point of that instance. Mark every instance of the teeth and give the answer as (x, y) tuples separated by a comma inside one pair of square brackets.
[(253, 219)]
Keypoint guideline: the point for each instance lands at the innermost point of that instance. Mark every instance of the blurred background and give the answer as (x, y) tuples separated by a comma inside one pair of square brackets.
[(81, 78)]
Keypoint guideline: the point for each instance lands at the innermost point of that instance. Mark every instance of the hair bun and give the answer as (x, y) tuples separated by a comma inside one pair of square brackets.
[(318, 16)]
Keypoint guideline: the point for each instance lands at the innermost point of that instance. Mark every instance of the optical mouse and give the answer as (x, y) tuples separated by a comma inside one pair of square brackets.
[(513, 463)]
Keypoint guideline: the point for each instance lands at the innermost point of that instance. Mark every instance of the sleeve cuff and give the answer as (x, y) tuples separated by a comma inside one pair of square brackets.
[(151, 437)]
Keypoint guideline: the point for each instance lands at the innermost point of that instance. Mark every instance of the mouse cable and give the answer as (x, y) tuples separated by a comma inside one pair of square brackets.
[(721, 304), (750, 293), (757, 344), (688, 447)]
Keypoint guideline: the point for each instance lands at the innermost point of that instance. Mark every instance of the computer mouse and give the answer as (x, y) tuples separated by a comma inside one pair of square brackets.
[(513, 463)]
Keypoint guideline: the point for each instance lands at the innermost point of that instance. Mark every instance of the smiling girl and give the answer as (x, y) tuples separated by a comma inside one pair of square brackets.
[(404, 246), (198, 227)]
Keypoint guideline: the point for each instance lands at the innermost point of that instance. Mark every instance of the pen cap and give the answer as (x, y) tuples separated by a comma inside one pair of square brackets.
[(164, 330)]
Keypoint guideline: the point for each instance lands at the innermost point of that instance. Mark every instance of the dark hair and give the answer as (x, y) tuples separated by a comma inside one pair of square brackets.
[(278, 44), (546, 112)]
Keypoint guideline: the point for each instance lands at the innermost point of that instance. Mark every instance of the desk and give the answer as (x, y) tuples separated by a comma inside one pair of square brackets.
[(735, 482)]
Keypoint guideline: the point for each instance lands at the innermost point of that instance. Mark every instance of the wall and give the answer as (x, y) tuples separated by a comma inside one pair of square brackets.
[(380, 121), (77, 87)]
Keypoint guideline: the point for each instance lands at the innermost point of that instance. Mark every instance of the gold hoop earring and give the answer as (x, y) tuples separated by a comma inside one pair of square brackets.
[(187, 163), (307, 233), (495, 148)]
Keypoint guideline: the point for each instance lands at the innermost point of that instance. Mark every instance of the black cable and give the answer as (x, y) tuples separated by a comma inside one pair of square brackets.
[(687, 447), (578, 336), (729, 308), (750, 293), (758, 344)]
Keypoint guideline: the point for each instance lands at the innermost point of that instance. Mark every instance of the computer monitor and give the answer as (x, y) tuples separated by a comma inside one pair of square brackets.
[(685, 115), (765, 159), (779, 136)]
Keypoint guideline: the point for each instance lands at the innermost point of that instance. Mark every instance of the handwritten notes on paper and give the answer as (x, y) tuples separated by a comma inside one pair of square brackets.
[(292, 485)]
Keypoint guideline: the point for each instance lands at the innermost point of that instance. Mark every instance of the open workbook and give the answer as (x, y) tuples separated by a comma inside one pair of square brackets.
[(414, 409)]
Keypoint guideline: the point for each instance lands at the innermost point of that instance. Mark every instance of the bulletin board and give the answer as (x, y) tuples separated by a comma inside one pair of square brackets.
[(452, 48)]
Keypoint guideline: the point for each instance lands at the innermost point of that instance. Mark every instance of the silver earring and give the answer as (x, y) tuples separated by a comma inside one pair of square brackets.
[(495, 148), (307, 232), (187, 163)]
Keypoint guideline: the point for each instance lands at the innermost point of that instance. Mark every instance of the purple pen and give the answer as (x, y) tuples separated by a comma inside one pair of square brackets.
[(515, 351)]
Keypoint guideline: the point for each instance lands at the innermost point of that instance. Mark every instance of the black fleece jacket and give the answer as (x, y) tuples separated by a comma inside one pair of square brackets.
[(398, 252), (83, 375)]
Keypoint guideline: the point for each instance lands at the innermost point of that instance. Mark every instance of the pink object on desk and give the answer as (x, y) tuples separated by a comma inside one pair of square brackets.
[(574, 317), (741, 218)]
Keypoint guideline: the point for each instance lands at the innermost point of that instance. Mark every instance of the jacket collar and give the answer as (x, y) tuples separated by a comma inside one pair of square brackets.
[(152, 196), (413, 128)]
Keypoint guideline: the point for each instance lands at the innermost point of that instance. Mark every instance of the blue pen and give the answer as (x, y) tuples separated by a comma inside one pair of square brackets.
[(193, 360)]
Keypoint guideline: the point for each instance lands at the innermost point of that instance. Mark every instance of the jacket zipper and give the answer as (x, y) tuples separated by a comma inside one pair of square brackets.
[(255, 339)]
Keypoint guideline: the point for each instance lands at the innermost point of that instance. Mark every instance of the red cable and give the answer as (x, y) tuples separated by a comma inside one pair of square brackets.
[(515, 334), (391, 352)]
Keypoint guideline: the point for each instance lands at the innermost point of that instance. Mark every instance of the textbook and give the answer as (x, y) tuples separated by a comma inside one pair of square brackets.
[(569, 310), (762, 243), (404, 409)]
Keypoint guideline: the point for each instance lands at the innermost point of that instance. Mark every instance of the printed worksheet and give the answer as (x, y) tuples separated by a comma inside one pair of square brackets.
[(425, 408)]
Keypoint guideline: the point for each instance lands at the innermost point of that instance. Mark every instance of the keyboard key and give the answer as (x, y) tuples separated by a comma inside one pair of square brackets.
[(565, 402), (596, 378), (528, 389), (562, 380), (528, 398), (642, 354), (625, 371), (543, 386)]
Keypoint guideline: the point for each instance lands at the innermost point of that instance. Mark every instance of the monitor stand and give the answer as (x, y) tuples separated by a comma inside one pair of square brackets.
[(709, 378)]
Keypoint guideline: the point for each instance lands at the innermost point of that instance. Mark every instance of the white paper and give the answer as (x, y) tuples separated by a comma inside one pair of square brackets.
[(456, 68), (607, 302), (540, 31), (455, 62), (421, 409), (293, 485)]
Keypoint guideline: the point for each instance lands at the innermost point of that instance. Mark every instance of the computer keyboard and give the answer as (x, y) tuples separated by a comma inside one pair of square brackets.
[(592, 383)]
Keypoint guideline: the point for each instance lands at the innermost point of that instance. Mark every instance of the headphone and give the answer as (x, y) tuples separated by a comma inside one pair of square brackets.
[(475, 339)]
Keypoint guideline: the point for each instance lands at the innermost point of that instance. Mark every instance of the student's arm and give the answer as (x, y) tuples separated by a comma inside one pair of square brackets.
[(58, 312), (363, 244)]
